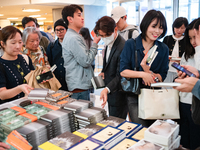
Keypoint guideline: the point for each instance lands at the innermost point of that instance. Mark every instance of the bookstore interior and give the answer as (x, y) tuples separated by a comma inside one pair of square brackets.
[(49, 120)]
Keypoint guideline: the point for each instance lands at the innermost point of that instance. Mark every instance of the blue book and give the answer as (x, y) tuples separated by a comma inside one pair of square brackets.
[(129, 127), (109, 136)]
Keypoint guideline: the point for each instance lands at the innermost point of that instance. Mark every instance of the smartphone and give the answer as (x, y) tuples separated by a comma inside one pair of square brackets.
[(92, 33), (45, 76), (180, 68)]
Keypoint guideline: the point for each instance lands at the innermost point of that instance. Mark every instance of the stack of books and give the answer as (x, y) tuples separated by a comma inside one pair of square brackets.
[(66, 140), (144, 144), (60, 103), (78, 106), (109, 136), (112, 121), (129, 127), (90, 115), (61, 120), (37, 110), (11, 124), (87, 144), (6, 114), (35, 133), (38, 93), (17, 142), (58, 95), (164, 133)]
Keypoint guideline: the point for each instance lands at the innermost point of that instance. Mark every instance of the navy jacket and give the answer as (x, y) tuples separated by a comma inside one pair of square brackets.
[(54, 54), (159, 65)]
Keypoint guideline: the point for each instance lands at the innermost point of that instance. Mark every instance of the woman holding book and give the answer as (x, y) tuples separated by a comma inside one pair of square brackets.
[(13, 66), (176, 45), (153, 27), (190, 132)]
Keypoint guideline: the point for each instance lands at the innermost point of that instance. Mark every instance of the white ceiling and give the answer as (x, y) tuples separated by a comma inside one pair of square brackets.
[(13, 8)]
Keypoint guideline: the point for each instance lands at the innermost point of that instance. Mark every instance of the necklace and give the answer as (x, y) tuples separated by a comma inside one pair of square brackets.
[(21, 71)]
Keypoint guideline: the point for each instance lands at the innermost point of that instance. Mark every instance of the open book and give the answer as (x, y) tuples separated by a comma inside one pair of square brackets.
[(152, 53)]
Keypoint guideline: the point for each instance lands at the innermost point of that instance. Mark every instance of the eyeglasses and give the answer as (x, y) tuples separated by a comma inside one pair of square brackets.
[(59, 30)]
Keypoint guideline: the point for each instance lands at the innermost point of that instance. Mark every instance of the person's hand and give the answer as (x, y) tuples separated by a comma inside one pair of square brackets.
[(102, 75), (197, 36), (96, 39), (187, 84), (25, 88), (104, 97), (147, 78), (4, 146), (144, 65), (189, 68)]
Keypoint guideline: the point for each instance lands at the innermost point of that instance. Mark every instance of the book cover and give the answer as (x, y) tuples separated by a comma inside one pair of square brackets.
[(124, 144), (38, 93), (58, 95), (112, 121), (87, 145), (65, 140), (140, 134), (129, 127), (89, 129)]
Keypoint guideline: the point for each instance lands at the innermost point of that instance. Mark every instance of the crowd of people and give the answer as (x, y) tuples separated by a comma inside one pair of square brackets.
[(74, 53)]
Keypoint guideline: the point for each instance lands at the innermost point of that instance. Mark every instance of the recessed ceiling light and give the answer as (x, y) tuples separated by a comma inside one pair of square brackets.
[(34, 16), (1, 15), (30, 10), (12, 18), (41, 18)]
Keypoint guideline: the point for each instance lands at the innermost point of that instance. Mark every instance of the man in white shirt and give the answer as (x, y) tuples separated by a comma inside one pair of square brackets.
[(125, 30)]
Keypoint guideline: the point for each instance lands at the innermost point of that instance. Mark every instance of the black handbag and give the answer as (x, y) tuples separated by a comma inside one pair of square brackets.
[(196, 110), (131, 85)]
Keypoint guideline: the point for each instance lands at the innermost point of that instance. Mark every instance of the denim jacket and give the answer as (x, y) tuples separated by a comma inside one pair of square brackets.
[(77, 61), (159, 65)]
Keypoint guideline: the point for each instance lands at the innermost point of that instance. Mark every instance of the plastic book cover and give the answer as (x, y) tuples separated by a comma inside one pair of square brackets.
[(58, 95), (65, 140), (17, 142), (124, 144), (129, 127), (87, 144), (112, 121), (38, 93), (151, 54), (32, 106), (7, 114), (15, 122), (38, 112)]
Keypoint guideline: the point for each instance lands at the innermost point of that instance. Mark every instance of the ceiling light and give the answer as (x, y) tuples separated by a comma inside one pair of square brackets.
[(12, 18), (34, 16), (1, 15), (41, 18), (30, 10)]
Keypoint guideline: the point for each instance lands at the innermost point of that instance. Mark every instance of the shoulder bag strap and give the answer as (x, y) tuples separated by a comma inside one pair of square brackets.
[(136, 61)]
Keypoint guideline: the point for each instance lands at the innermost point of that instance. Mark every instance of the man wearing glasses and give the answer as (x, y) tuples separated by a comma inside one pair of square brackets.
[(54, 53)]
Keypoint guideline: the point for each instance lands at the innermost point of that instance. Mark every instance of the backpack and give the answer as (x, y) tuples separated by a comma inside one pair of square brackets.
[(131, 32)]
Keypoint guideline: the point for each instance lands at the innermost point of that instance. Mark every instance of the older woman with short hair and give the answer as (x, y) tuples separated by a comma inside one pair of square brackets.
[(31, 38)]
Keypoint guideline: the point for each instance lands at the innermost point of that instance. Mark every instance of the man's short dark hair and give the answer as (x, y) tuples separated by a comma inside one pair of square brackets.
[(179, 22), (148, 18), (26, 20), (69, 11), (105, 24)]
